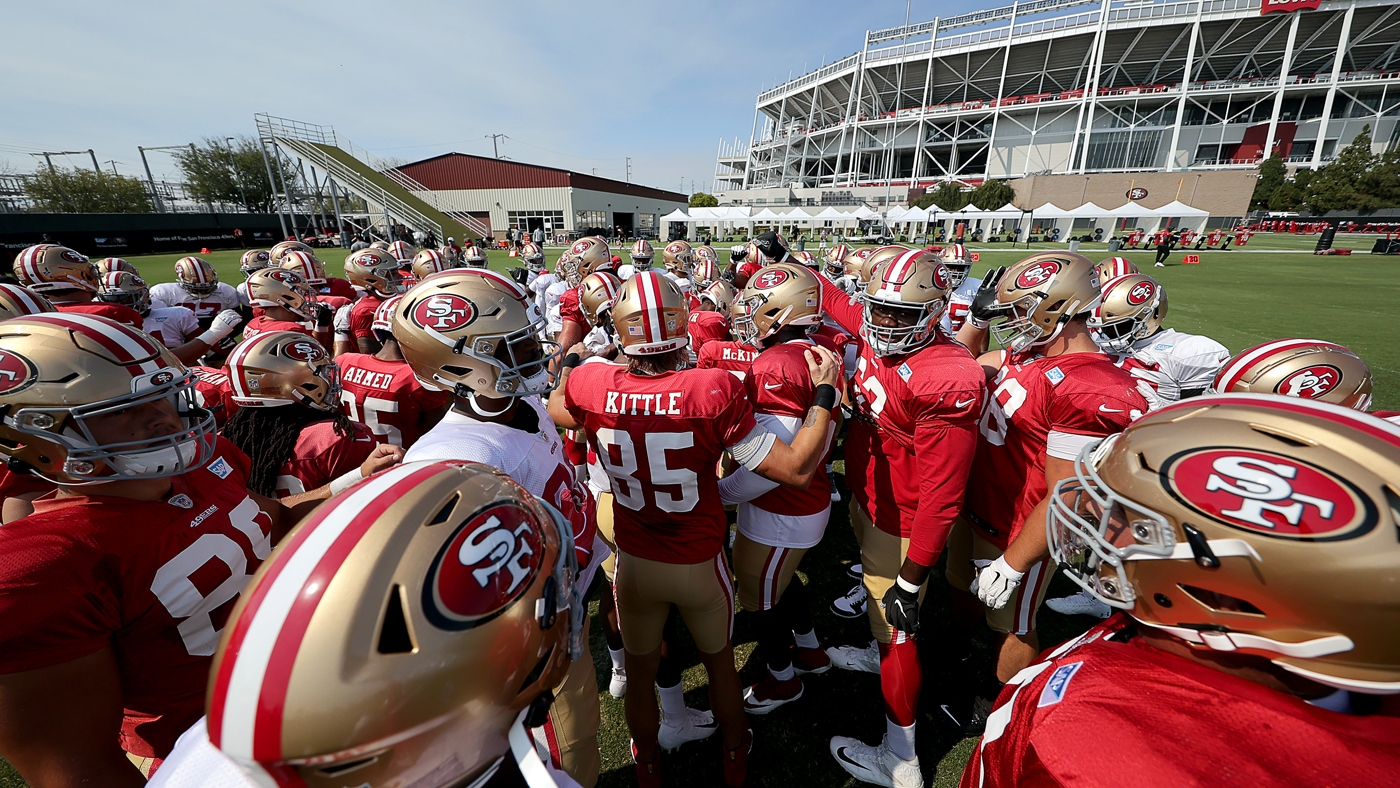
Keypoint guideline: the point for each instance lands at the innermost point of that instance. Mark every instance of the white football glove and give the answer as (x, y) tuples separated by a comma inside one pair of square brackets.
[(996, 583), (597, 341), (221, 326), (341, 325)]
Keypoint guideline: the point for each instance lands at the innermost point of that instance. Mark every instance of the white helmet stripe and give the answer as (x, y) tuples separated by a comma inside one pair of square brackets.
[(120, 338), (649, 291), (1236, 369)]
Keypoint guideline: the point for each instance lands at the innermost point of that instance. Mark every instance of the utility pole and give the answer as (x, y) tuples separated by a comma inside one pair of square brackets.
[(114, 164), (495, 149), (629, 169), (237, 176)]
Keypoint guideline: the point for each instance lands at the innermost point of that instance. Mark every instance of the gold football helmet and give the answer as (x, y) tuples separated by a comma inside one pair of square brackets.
[(307, 265), (1307, 368), (596, 294), (429, 262), (805, 259), (1130, 308), (856, 260), (721, 294), (865, 270), (254, 260), (1041, 294), (835, 263), (678, 257), (279, 250), (474, 257), (16, 301), (533, 255), (383, 246), (196, 276), (473, 331), (376, 272), (590, 253), (48, 267), (958, 261), (282, 287), (62, 373), (914, 281), (642, 255), (778, 296), (1250, 524), (704, 272), (444, 611), (1113, 267), (383, 319), (649, 315), (403, 251), (108, 264), (124, 287), (281, 368)]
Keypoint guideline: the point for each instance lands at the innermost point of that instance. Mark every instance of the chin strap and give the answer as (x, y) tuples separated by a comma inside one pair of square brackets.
[(471, 401), (1234, 641)]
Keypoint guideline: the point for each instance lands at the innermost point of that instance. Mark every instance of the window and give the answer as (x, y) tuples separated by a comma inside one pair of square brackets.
[(549, 221), (584, 219), (1123, 149), (646, 221)]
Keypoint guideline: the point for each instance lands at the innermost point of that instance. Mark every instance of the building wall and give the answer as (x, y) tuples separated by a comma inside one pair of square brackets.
[(1223, 193), (500, 202)]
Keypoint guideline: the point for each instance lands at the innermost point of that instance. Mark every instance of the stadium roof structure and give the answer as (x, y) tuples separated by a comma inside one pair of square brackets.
[(464, 171)]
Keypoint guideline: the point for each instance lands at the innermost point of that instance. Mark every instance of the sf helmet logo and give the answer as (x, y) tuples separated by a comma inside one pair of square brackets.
[(484, 566), (770, 279), (1038, 274), (72, 256), (303, 351), (1310, 382), (284, 275), (940, 277), (1141, 293), (16, 372), (1269, 494), (444, 312)]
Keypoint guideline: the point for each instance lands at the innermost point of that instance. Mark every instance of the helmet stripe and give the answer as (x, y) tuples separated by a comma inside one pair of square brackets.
[(25, 297), (250, 689), (1354, 419), (131, 348), (235, 366), (650, 292), (1236, 369)]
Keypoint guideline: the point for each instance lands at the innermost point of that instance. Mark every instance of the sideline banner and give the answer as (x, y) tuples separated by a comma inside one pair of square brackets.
[(1288, 6)]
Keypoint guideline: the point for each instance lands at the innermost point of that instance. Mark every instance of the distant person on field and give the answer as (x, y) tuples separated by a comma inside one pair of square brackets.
[(538, 236)]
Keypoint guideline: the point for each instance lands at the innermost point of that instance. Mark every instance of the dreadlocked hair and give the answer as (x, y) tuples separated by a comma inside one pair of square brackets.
[(269, 437), (661, 363)]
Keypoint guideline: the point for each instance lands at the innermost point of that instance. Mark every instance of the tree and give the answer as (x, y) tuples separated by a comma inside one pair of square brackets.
[(1272, 174), (703, 200), (949, 196), (213, 172), (61, 190), (1285, 197), (991, 195), (1338, 186)]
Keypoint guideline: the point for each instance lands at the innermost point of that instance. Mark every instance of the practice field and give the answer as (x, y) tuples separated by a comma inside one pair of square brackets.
[(1238, 297)]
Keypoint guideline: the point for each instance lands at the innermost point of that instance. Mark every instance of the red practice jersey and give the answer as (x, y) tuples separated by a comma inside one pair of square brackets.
[(322, 455), (334, 288), (16, 484), (155, 580), (387, 398), (261, 325), (362, 317), (911, 444), (213, 392), (118, 312), (732, 357), (706, 327), (779, 384), (1107, 709), (659, 439), (570, 311), (832, 338), (1035, 401)]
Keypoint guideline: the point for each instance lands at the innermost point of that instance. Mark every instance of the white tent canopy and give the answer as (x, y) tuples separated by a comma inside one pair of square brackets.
[(677, 215), (865, 213), (1089, 211), (831, 214), (1132, 210), (916, 215), (765, 214), (1051, 211), (1179, 208)]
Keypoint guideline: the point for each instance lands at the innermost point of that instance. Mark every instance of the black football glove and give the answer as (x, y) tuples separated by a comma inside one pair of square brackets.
[(984, 307), (520, 275), (325, 315), (738, 254), (902, 608)]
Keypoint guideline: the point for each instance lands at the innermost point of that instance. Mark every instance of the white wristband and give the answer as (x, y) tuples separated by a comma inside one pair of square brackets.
[(212, 337), (1005, 569), (906, 585), (345, 482)]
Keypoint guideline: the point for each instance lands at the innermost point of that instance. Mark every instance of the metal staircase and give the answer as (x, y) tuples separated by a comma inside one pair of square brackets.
[(389, 189)]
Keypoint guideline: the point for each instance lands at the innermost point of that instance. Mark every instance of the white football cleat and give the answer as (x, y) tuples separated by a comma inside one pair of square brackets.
[(1080, 604), (852, 605), (866, 660), (617, 687), (693, 725), (876, 765)]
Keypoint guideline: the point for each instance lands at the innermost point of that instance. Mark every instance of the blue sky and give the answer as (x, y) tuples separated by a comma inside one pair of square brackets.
[(577, 85)]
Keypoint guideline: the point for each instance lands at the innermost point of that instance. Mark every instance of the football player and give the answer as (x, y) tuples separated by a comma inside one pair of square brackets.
[(959, 264), (197, 288), (68, 281), (480, 622), (710, 323), (908, 451), (288, 304), (474, 257), (679, 259), (730, 355), (1306, 368), (403, 251), (108, 264), (1054, 392), (1111, 268), (252, 261), (17, 490), (1246, 539), (289, 422), (381, 391), (583, 258), (641, 256), (834, 261), (111, 591), (659, 431), (472, 333), (175, 326), (779, 310), (378, 274)]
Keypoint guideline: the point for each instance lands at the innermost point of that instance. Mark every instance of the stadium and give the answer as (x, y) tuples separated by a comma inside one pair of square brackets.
[(1068, 87)]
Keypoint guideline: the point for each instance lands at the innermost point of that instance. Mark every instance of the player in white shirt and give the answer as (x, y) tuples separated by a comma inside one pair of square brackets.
[(197, 288), (1170, 365), (958, 262)]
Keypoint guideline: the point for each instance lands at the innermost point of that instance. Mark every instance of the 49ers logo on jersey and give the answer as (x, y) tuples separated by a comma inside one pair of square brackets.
[(444, 312), (16, 372), (1038, 274), (771, 278), (1268, 493), (303, 351), (485, 565), (1141, 293), (1310, 382)]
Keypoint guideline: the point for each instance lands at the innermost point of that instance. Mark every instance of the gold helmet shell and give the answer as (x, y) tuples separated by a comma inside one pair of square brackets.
[(254, 260), (678, 257), (1130, 308), (835, 262), (916, 282), (125, 287), (650, 315), (1307, 368), (779, 296), (429, 262), (45, 268), (597, 293), (279, 250), (107, 264), (279, 368), (375, 271), (403, 251), (590, 254), (1041, 294), (17, 301), (1111, 268), (865, 270), (309, 266), (281, 287)]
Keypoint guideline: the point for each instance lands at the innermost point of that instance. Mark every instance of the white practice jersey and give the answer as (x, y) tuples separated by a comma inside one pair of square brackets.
[(958, 302), (1170, 362), (554, 323), (172, 325), (540, 286), (223, 297)]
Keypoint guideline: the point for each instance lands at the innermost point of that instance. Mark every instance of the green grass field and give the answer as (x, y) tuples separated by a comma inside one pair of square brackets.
[(1269, 290)]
